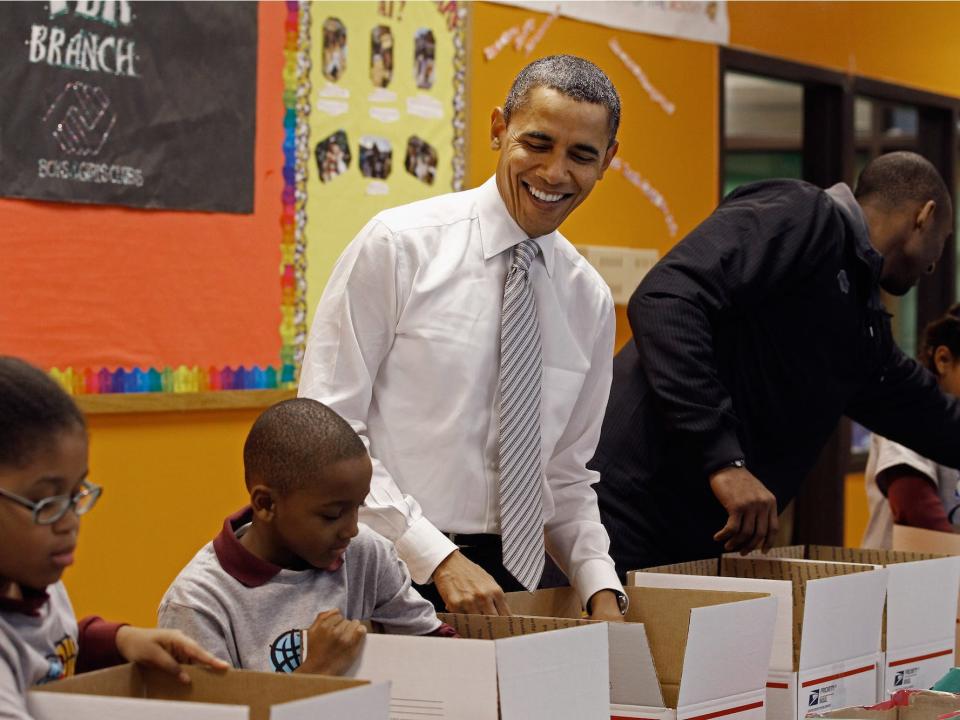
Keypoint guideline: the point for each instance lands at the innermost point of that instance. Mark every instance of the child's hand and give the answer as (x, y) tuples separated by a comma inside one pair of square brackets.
[(333, 643), (164, 650)]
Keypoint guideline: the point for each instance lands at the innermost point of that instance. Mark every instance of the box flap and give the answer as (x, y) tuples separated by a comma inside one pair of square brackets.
[(869, 556), (433, 677), (555, 602), (708, 566), (781, 657), (59, 705), (849, 607), (365, 702), (494, 627), (921, 540), (665, 614), (798, 572), (120, 681), (633, 673), (559, 675), (728, 650), (257, 691), (922, 602)]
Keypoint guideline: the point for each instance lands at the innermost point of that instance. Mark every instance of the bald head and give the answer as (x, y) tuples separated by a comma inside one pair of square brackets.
[(899, 179), (292, 442), (909, 214)]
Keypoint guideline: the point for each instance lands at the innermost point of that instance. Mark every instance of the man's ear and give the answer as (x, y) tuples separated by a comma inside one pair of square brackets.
[(262, 501), (498, 127), (943, 359), (926, 214), (608, 157)]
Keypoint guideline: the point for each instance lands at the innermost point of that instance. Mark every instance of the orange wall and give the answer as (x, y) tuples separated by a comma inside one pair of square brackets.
[(677, 154), (908, 43)]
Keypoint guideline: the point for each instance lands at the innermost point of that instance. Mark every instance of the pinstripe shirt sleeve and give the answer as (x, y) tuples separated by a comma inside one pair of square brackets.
[(760, 241)]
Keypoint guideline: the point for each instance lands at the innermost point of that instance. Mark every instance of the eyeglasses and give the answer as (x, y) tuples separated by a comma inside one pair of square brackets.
[(51, 509)]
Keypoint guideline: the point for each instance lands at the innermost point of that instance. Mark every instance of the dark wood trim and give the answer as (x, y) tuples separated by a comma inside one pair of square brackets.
[(881, 90), (778, 68)]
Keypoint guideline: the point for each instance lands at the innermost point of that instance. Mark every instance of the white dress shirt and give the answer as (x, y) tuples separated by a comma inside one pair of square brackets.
[(405, 346)]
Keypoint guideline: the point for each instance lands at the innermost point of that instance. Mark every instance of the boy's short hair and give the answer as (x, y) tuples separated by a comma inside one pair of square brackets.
[(33, 408), (293, 440)]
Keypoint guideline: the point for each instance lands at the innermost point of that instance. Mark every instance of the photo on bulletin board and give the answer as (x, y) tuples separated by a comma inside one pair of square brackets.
[(384, 118), (123, 103)]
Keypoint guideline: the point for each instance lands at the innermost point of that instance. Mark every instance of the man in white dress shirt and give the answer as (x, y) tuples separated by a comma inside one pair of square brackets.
[(406, 346)]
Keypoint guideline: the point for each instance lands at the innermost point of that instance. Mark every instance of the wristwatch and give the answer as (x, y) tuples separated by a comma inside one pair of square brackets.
[(623, 602)]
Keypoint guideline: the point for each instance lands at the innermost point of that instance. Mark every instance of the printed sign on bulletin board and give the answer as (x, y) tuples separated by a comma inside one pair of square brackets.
[(386, 125), (144, 104)]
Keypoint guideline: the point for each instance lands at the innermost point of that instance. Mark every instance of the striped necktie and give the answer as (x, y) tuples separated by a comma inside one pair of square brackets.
[(521, 370)]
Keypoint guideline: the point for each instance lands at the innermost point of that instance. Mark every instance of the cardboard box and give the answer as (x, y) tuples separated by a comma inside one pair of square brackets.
[(129, 691), (538, 671), (904, 705), (826, 647), (919, 637), (681, 654), (930, 541)]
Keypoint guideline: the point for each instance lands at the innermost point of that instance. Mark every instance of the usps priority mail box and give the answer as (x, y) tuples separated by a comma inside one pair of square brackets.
[(681, 654), (826, 647), (919, 633)]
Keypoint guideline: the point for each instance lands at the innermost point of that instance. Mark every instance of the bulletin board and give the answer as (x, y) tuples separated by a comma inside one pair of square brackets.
[(384, 108), (120, 299)]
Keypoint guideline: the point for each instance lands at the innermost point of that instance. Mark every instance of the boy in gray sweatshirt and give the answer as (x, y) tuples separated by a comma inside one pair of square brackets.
[(286, 584)]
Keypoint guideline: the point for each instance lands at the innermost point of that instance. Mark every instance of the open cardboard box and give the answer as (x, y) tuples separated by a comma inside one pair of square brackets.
[(680, 654), (930, 541), (919, 635), (904, 705), (500, 667), (826, 646), (130, 691)]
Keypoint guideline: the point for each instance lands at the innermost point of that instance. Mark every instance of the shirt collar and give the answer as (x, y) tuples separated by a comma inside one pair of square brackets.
[(30, 604), (500, 232), (843, 197), (241, 564)]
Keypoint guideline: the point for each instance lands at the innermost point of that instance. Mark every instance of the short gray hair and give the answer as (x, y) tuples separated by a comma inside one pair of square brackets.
[(572, 76)]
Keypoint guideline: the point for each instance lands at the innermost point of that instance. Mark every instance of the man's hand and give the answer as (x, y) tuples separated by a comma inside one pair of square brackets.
[(333, 643), (164, 650), (604, 606), (752, 509), (467, 588)]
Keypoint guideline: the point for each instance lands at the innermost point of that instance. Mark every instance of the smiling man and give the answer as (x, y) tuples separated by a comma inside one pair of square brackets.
[(469, 345)]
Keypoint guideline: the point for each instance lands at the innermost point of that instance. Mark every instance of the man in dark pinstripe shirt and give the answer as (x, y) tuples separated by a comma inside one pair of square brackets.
[(752, 337)]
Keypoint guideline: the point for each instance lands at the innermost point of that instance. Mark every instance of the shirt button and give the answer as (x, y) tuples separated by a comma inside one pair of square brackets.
[(871, 331)]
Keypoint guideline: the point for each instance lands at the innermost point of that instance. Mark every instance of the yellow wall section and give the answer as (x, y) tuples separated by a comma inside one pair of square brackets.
[(908, 43), (169, 479)]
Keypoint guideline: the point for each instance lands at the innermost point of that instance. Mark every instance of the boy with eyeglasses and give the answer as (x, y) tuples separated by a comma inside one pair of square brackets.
[(43, 492)]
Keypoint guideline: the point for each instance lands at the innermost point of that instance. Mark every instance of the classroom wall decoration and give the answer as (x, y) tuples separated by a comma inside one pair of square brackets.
[(385, 118), (142, 104), (115, 299)]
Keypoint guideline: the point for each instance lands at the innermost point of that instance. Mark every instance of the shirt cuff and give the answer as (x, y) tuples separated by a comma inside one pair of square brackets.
[(422, 547), (719, 451), (594, 576), (98, 644)]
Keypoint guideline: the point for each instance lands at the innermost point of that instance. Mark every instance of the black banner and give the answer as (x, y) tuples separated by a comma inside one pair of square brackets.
[(145, 104)]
